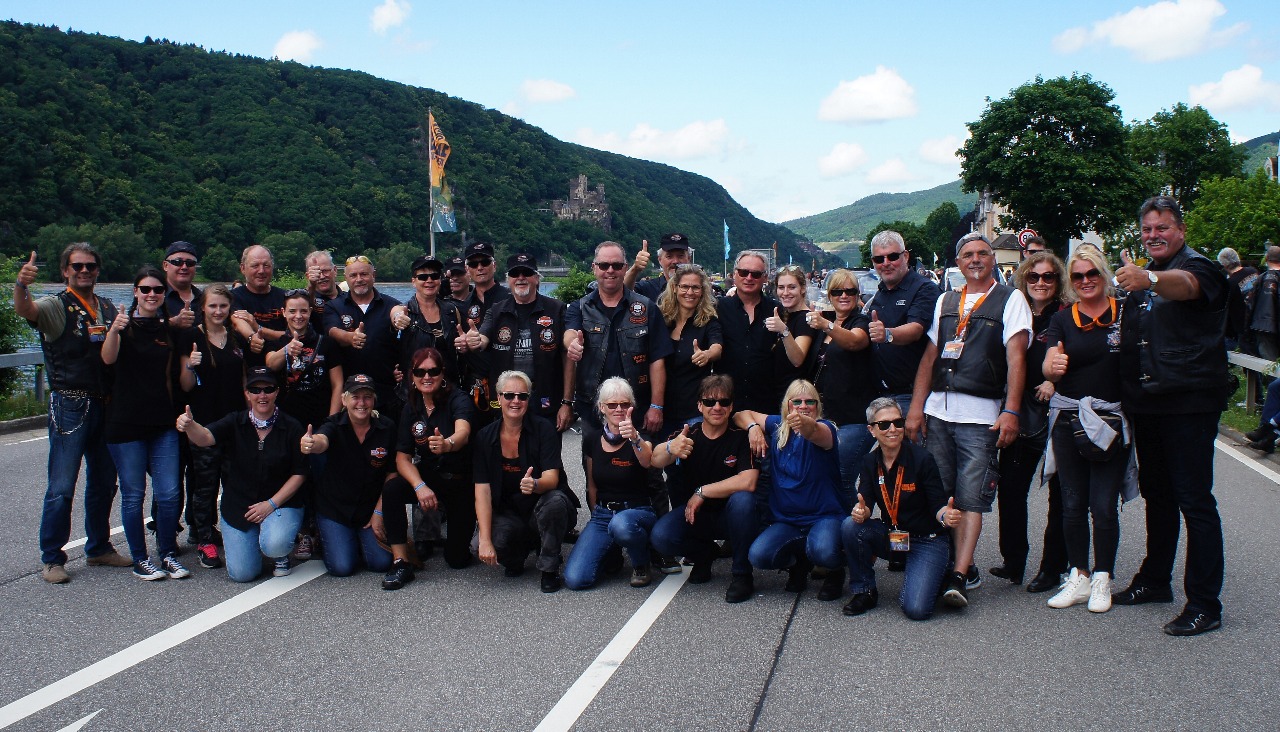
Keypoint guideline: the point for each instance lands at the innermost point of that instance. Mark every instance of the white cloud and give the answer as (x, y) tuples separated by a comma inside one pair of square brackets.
[(872, 98), (844, 158), (941, 151), (701, 139), (890, 172), (1159, 32), (388, 15), (297, 46), (1243, 88), (538, 91)]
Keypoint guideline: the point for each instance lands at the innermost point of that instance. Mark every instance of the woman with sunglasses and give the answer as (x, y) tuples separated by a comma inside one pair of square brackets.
[(915, 517), (791, 352), (263, 470), (845, 371), (618, 492), (523, 501), (434, 462), (690, 312), (213, 376), (1084, 362), (428, 320), (1042, 279), (806, 500), (139, 433)]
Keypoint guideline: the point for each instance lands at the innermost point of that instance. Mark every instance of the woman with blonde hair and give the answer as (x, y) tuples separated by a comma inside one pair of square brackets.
[(689, 309), (793, 351)]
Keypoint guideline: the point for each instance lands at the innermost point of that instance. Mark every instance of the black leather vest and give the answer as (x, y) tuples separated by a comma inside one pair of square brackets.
[(982, 369), (1266, 291), (72, 361), (631, 337), (1180, 346)]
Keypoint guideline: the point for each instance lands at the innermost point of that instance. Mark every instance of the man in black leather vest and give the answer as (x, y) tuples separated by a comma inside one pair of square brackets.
[(1264, 315), (969, 385), (1174, 372)]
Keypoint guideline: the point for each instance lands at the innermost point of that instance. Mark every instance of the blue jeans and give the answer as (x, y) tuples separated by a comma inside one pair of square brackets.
[(967, 460), (76, 427), (157, 456), (629, 528), (926, 564), (780, 545), (273, 538), (345, 547), (735, 520), (1271, 406), (854, 441)]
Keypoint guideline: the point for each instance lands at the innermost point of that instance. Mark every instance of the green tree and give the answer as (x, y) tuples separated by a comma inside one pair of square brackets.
[(913, 235), (574, 285), (219, 264), (938, 227), (12, 327), (122, 249), (1241, 213), (1183, 146), (1055, 153)]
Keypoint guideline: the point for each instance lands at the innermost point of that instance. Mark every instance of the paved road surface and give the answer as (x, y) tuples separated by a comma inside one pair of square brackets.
[(471, 649)]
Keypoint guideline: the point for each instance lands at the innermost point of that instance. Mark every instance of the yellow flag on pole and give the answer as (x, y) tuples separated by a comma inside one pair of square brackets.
[(439, 151)]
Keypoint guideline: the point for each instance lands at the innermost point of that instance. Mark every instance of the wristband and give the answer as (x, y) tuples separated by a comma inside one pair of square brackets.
[(753, 424), (567, 402), (377, 512), (274, 507), (1010, 411), (668, 444), (18, 285), (189, 367), (421, 484), (656, 406), (449, 440)]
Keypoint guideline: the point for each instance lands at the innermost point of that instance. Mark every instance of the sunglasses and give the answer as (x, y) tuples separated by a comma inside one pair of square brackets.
[(520, 272), (1048, 277), (884, 424), (842, 292), (423, 373), (427, 276), (614, 406), (261, 389), (518, 396), (297, 293), (83, 266), (149, 289), (750, 274), (615, 266), (804, 402), (479, 262), (891, 256), (689, 288), (181, 262), (723, 402), (1092, 274), (358, 258)]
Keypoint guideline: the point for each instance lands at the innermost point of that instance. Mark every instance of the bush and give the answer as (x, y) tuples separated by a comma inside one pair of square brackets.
[(574, 285), (12, 327)]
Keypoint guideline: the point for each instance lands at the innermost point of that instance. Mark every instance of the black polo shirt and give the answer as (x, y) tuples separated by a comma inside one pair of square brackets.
[(377, 359), (748, 352), (416, 427), (529, 338), (922, 492), (348, 489), (652, 287), (911, 301), (320, 310), (173, 304), (711, 461), (538, 448), (252, 473)]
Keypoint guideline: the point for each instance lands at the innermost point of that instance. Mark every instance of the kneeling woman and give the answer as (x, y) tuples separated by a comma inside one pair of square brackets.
[(263, 471), (805, 500), (915, 515), (617, 466), (348, 492)]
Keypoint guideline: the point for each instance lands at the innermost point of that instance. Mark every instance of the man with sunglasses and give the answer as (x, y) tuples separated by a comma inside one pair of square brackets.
[(672, 252), (455, 271), (360, 321), (1175, 387), (257, 306), (485, 291), (901, 313), (73, 326), (322, 283), (748, 345), (180, 262)]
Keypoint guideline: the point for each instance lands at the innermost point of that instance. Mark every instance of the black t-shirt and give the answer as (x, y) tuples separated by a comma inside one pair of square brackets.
[(618, 475), (348, 489), (416, 427), (539, 448), (683, 377), (911, 301), (266, 308), (251, 471), (783, 372), (307, 387), (221, 373), (1093, 357), (845, 379), (748, 353), (141, 405), (712, 461)]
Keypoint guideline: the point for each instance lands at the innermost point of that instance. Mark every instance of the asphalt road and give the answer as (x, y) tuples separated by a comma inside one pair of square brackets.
[(470, 649)]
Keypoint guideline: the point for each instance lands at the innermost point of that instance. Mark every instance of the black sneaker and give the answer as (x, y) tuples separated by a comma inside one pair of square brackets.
[(1267, 444), (1192, 623), (174, 568), (832, 585), (861, 602), (741, 588), (668, 565), (550, 582), (400, 575), (1258, 434), (1004, 571), (798, 575), (953, 592), (897, 565), (701, 572), (641, 576), (972, 579), (1140, 594)]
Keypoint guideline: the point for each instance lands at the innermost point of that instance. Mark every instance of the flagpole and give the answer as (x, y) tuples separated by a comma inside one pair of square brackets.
[(431, 198)]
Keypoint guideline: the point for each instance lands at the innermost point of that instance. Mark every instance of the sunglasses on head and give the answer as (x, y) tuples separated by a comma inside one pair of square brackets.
[(297, 293), (261, 389), (884, 424), (427, 276), (423, 373), (519, 396), (842, 291), (83, 266), (1092, 274), (179, 262), (804, 402), (891, 256), (358, 258), (1034, 277), (613, 406), (479, 262), (750, 274), (149, 289), (606, 266), (721, 402)]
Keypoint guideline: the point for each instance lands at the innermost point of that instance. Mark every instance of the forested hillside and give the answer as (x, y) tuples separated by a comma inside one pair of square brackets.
[(161, 141), (856, 219)]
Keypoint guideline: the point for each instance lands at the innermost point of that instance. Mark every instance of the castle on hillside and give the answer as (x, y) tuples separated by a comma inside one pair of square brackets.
[(583, 204)]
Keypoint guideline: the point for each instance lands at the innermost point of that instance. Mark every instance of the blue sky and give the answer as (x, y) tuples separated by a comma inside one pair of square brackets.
[(796, 108)]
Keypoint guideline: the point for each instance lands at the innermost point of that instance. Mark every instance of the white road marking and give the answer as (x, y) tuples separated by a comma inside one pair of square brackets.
[(79, 723), (575, 701), (159, 643), (1254, 464), (23, 442), (82, 542)]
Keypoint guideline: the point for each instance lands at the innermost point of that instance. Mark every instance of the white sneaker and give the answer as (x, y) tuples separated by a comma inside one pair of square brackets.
[(1100, 592), (1074, 591)]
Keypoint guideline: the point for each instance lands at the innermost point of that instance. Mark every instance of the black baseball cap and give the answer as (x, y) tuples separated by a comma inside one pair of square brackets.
[(455, 264), (261, 375), (181, 247), (674, 241), (426, 261), (355, 382), (478, 249), (522, 261)]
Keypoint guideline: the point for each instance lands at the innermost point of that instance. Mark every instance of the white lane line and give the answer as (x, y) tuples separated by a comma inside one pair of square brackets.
[(1254, 464), (23, 442), (158, 643), (79, 723), (82, 542), (575, 701)]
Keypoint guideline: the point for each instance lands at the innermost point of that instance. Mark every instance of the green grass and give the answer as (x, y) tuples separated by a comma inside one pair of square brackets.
[(22, 404), (1236, 416)]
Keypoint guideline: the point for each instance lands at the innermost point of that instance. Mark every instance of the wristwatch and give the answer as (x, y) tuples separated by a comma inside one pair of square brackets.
[(1152, 276), (888, 335), (699, 494)]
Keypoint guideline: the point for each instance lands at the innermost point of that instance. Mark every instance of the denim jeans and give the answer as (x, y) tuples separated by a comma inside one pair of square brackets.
[(854, 441), (157, 456), (345, 548), (628, 528), (967, 460), (734, 520), (273, 538), (926, 564), (1271, 406), (76, 432), (780, 545)]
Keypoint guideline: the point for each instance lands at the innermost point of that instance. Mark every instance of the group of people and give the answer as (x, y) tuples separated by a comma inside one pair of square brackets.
[(747, 426)]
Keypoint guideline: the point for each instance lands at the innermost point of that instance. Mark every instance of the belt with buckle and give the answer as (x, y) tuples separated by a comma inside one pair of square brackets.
[(617, 506)]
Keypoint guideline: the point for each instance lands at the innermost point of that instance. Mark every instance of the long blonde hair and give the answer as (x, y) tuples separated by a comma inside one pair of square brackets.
[(798, 387), (669, 305)]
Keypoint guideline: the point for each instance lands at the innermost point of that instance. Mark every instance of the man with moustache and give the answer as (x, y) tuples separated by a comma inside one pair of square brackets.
[(672, 252), (360, 321), (257, 306), (322, 283)]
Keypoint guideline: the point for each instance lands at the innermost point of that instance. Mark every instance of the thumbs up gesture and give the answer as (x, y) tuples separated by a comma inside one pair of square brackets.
[(437, 443), (951, 514), (626, 428), (699, 357), (1057, 359), (295, 347), (308, 441), (682, 444), (196, 358), (527, 483), (473, 338), (875, 328), (185, 318), (120, 323), (775, 323), (27, 274), (184, 419), (460, 340), (1130, 276), (575, 347), (358, 338), (642, 257), (861, 512)]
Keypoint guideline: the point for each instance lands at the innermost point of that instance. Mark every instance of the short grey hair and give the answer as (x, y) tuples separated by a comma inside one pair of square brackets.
[(604, 244), (886, 238), (316, 256), (743, 255), (613, 387), (881, 403)]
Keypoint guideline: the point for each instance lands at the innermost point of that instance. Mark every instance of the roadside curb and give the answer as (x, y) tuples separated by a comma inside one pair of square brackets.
[(1238, 437), (24, 424)]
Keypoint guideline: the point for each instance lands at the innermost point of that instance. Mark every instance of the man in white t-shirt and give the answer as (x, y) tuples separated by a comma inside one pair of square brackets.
[(969, 387)]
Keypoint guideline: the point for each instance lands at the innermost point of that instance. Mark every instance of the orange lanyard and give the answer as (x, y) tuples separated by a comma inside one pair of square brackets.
[(93, 311), (891, 503), (963, 323), (1093, 322)]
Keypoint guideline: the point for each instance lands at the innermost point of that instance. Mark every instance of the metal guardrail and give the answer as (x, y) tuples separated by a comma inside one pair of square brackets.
[(1254, 369), (28, 358)]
